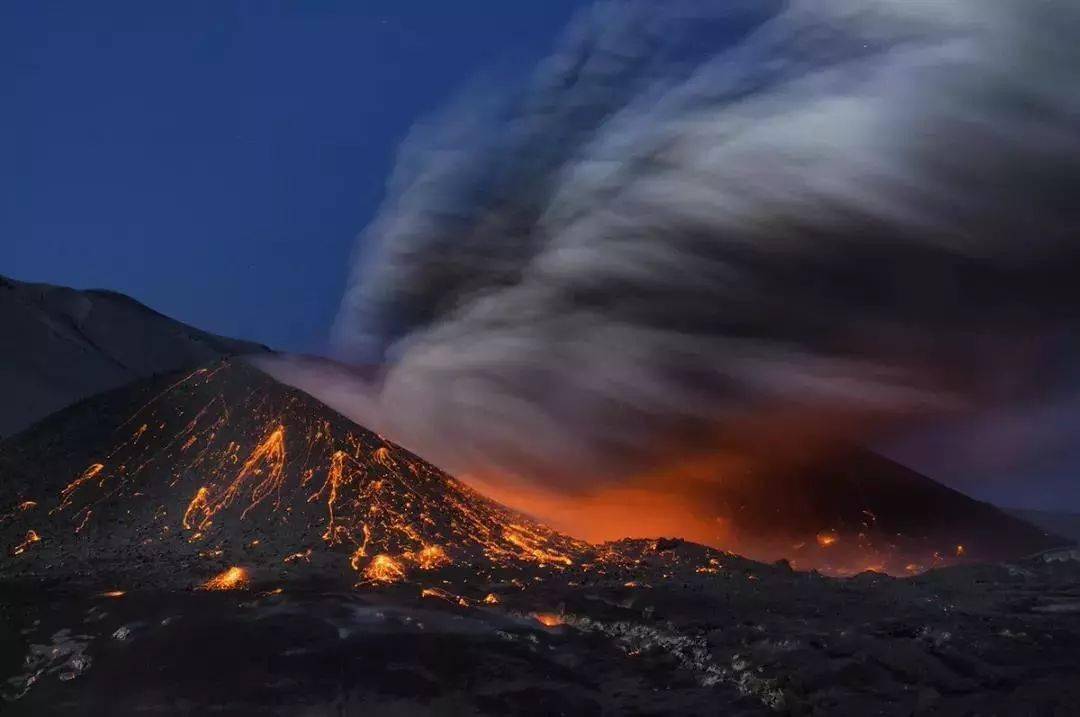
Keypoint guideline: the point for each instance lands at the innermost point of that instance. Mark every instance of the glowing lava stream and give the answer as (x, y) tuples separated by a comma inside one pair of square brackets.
[(301, 477)]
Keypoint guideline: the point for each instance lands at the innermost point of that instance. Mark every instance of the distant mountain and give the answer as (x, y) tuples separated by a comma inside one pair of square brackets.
[(176, 477), (848, 508), (61, 345)]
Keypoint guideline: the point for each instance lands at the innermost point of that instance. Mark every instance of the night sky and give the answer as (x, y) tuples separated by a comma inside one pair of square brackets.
[(217, 160)]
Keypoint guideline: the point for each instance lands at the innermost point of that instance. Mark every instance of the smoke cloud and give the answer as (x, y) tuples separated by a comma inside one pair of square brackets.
[(698, 216)]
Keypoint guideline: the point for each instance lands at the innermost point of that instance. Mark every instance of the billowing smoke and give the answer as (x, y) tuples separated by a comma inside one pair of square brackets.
[(699, 215)]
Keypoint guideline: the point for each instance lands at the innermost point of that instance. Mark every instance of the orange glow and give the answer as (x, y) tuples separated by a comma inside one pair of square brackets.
[(531, 544), (86, 517), (31, 538), (334, 479), (826, 538), (114, 594), (384, 569), (87, 475), (491, 599), (27, 504), (431, 557), (197, 503), (234, 578), (304, 555), (548, 619), (267, 460), (382, 455), (444, 595), (644, 509), (960, 551)]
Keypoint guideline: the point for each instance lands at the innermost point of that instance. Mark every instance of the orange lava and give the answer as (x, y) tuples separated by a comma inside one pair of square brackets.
[(87, 475), (197, 503), (234, 578), (384, 569), (826, 538), (31, 538), (431, 557), (645, 509), (548, 619), (444, 595)]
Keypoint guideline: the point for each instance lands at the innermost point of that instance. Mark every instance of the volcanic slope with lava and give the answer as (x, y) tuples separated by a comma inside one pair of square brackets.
[(844, 509), (224, 471)]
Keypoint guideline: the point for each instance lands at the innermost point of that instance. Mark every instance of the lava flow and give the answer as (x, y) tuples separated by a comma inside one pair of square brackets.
[(229, 466)]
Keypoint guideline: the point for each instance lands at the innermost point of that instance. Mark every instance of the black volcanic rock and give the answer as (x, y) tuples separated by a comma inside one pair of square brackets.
[(62, 345)]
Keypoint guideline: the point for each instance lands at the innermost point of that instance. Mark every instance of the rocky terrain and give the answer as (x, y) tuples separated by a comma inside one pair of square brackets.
[(675, 629)]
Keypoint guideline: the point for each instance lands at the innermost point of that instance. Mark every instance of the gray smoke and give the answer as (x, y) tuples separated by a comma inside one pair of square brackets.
[(697, 213)]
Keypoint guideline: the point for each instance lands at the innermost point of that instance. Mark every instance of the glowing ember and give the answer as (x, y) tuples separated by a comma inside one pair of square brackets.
[(491, 599), (114, 594), (27, 504), (384, 569), (197, 503), (86, 517), (960, 551), (444, 595), (87, 475), (530, 543), (431, 557), (304, 555), (548, 619), (31, 538), (232, 579), (334, 479), (268, 457), (827, 537)]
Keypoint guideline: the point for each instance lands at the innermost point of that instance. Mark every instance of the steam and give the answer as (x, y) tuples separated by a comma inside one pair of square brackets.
[(698, 214)]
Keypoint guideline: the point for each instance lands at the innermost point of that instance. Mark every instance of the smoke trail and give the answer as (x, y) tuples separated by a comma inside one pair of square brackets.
[(700, 213)]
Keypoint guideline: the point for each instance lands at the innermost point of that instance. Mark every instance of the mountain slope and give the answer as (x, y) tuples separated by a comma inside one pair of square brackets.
[(62, 345), (173, 478), (847, 509)]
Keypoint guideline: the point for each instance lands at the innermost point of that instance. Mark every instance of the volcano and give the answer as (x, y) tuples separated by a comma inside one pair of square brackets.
[(214, 541), (174, 479), (845, 509)]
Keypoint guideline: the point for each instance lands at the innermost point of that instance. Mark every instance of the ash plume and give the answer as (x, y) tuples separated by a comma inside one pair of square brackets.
[(698, 216)]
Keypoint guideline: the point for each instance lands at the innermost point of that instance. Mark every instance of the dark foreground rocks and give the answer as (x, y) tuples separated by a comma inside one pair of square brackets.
[(682, 631)]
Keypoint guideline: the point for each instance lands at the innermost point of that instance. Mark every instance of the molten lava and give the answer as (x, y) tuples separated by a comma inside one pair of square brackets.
[(384, 569), (31, 538), (548, 619), (234, 578)]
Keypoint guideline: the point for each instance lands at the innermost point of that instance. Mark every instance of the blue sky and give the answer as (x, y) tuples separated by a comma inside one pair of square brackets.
[(216, 160)]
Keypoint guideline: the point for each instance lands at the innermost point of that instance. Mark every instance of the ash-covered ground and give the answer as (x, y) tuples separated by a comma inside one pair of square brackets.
[(678, 629)]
